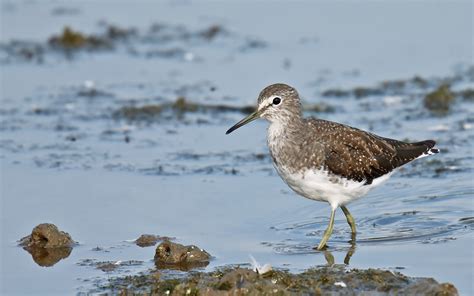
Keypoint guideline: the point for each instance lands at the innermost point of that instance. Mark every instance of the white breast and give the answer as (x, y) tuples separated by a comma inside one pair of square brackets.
[(321, 186)]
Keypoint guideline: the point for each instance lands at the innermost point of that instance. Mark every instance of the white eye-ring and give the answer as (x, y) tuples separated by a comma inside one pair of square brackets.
[(274, 100)]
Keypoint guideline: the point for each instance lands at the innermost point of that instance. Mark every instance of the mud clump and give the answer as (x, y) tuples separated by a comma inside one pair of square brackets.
[(47, 236), (148, 240), (335, 280), (47, 244), (176, 256), (439, 100)]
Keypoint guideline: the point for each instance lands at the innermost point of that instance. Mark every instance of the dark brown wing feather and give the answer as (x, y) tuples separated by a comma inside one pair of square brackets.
[(362, 156)]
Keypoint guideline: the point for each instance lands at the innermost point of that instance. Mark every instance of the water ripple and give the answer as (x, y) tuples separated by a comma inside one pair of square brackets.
[(388, 228)]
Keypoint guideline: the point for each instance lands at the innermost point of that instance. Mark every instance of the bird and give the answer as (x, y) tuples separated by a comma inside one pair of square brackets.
[(324, 160)]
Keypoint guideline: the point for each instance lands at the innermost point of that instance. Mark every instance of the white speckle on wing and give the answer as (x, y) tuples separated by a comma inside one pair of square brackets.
[(429, 152)]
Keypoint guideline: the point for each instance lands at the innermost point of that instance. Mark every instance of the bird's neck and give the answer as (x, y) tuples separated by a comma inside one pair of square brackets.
[(283, 132)]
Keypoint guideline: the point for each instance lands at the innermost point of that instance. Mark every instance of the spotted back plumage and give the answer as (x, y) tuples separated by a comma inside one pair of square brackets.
[(300, 144), (361, 156)]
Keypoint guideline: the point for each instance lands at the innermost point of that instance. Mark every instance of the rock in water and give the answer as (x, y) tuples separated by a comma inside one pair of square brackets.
[(173, 255), (47, 244)]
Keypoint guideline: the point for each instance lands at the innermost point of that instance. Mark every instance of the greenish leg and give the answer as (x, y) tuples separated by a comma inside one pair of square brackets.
[(350, 253), (350, 220), (329, 258), (328, 231)]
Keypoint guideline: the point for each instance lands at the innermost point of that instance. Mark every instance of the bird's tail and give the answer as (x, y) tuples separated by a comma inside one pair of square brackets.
[(429, 144)]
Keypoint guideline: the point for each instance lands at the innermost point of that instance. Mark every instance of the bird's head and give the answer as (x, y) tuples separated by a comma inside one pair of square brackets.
[(276, 103)]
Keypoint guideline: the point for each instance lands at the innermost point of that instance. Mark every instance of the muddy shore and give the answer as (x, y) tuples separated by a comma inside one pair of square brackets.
[(334, 280), (48, 245)]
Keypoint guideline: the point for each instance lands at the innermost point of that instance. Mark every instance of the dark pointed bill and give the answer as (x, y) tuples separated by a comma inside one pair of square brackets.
[(251, 117)]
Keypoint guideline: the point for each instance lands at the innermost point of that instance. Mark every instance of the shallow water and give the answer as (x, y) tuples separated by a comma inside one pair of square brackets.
[(66, 159)]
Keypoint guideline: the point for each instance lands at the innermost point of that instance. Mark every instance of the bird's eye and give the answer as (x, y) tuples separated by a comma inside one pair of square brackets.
[(276, 101)]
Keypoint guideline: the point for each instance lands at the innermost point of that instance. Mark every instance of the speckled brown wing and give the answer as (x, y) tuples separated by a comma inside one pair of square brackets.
[(361, 156)]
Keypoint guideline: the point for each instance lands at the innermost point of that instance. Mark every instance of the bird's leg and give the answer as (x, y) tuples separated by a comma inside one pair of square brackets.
[(350, 252), (328, 231), (351, 221), (329, 258)]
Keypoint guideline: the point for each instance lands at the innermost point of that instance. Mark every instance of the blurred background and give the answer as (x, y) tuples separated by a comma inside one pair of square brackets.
[(113, 114)]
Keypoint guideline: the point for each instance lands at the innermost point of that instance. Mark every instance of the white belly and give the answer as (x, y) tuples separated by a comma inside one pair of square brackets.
[(319, 185)]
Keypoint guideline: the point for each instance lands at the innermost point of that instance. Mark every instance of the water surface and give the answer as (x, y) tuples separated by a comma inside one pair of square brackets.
[(68, 159)]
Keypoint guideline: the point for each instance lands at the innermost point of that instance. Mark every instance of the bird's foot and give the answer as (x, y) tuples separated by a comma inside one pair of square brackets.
[(320, 247)]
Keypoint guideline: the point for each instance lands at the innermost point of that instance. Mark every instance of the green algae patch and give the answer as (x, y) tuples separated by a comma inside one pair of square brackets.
[(170, 41), (334, 280), (336, 93), (177, 108), (73, 40), (319, 108), (142, 113), (357, 92), (362, 92), (439, 100), (69, 39), (420, 81), (466, 94), (399, 87), (182, 106)]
